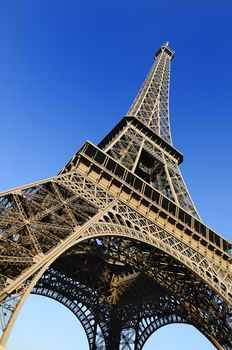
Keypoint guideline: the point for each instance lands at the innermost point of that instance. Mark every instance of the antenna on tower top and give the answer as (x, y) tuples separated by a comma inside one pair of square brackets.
[(167, 43)]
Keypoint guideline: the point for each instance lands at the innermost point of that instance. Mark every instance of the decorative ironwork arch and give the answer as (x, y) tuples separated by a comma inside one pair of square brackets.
[(83, 314), (149, 325)]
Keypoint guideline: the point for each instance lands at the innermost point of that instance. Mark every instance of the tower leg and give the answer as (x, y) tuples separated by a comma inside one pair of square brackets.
[(113, 339)]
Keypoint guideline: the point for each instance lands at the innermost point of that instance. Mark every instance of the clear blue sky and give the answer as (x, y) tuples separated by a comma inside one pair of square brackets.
[(69, 71)]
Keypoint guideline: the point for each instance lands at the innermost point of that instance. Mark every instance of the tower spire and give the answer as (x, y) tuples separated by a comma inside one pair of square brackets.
[(151, 105)]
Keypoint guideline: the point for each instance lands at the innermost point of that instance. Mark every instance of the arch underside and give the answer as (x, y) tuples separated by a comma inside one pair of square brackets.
[(123, 290)]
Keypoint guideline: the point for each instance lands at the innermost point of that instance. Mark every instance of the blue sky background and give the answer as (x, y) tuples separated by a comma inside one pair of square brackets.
[(69, 71)]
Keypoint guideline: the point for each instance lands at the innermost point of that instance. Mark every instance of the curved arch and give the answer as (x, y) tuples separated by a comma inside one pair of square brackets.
[(207, 271), (80, 310), (155, 324), (163, 311), (131, 235), (151, 235), (184, 335)]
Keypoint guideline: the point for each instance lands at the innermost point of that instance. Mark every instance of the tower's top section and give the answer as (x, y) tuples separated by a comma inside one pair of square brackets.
[(151, 105), (166, 49)]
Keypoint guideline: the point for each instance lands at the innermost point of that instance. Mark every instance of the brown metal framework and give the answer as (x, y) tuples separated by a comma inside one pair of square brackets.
[(116, 238)]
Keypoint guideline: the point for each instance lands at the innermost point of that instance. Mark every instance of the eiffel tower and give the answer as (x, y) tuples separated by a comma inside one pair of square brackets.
[(116, 238)]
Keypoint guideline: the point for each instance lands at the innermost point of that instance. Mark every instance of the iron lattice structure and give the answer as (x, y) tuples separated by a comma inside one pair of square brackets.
[(116, 238)]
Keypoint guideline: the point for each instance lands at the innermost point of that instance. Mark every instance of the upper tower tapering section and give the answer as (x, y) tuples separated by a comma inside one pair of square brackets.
[(151, 106)]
